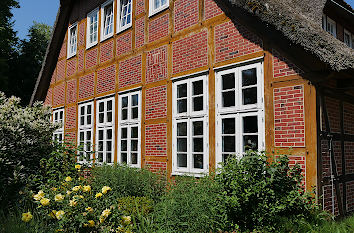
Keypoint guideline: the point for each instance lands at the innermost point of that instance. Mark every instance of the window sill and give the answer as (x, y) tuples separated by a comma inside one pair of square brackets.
[(123, 29), (91, 45), (70, 56), (157, 11), (177, 173), (107, 37)]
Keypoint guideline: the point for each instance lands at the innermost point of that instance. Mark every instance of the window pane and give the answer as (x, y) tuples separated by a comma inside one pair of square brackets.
[(100, 146), (100, 157), (109, 134), (182, 106), (250, 124), (100, 118), (135, 113), (198, 161), (198, 87), (61, 115), (198, 103), (101, 107), (228, 144), (182, 160), (250, 142), (109, 146), (198, 128), (82, 110), (228, 81), (123, 157), (249, 77), (109, 105), (197, 144), (225, 157), (109, 157), (88, 109), (100, 135), (135, 100), (82, 120), (228, 99), (125, 102), (182, 129), (134, 132), (182, 90), (89, 120), (88, 135), (228, 126), (249, 96), (182, 144), (124, 133), (109, 116), (82, 136), (134, 158), (134, 145), (124, 145), (124, 114)]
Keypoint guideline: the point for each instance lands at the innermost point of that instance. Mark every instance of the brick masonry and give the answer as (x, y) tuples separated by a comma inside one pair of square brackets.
[(289, 119), (301, 161), (80, 58), (348, 116), (106, 79), (60, 70), (81, 35), (139, 32), (87, 86), (156, 140), (91, 58), (70, 137), (186, 14), (124, 43), (130, 71), (62, 52), (106, 51), (139, 6), (156, 167), (71, 67), (211, 9), (71, 90), (158, 28), (70, 117), (156, 102), (48, 98), (283, 67), (156, 65), (190, 52), (59, 94)]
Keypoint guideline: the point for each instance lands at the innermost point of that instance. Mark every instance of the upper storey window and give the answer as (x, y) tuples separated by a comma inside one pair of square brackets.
[(348, 38), (72, 40), (107, 20), (329, 25), (92, 28), (157, 6), (124, 10)]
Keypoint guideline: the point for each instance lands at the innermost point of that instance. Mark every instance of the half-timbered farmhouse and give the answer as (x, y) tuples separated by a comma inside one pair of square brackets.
[(179, 85)]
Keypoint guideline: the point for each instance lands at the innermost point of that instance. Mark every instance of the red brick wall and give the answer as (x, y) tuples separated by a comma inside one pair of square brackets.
[(156, 102), (139, 32), (48, 98), (124, 43), (333, 109), (186, 13), (348, 115), (70, 117), (70, 137), (71, 91), (62, 52), (301, 161), (60, 70), (158, 28), (71, 67), (80, 57), (349, 157), (81, 35), (86, 86), (156, 140), (106, 52), (233, 41), (190, 52), (130, 71), (106, 79), (289, 120), (156, 65), (91, 58), (283, 67), (52, 80), (139, 6), (59, 94), (350, 196), (211, 9), (155, 166)]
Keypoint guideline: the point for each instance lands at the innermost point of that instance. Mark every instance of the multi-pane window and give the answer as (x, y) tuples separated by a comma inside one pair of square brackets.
[(105, 130), (239, 110), (85, 131), (72, 40), (329, 25), (124, 10), (129, 128), (157, 5), (107, 20), (348, 38), (190, 126), (92, 28), (58, 117)]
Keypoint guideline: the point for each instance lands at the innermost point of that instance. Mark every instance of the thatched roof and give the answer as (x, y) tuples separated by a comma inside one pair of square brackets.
[(292, 26)]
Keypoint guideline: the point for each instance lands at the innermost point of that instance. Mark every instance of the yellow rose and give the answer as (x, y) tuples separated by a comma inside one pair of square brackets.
[(91, 223), (78, 166), (60, 214), (105, 189), (39, 195), (126, 220), (68, 179), (76, 188), (53, 213), (72, 203), (105, 213), (58, 197), (68, 193), (86, 188), (98, 195), (45, 201), (89, 209), (26, 217), (101, 219)]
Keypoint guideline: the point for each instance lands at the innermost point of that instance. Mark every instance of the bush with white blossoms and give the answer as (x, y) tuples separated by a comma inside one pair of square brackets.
[(75, 206)]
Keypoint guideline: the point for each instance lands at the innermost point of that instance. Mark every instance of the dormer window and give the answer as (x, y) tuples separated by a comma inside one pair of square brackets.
[(107, 20), (124, 15), (157, 6), (72, 40)]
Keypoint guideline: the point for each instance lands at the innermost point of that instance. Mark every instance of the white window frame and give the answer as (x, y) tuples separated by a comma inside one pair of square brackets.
[(325, 21), (105, 126), (70, 38), (85, 128), (103, 36), (129, 123), (153, 11), (239, 110), (58, 117), (119, 15), (189, 117), (94, 13), (350, 42)]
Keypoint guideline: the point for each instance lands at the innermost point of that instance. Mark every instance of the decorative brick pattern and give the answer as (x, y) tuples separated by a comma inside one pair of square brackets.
[(48, 98), (130, 71), (190, 52), (139, 6), (62, 52), (156, 167), (124, 43), (59, 95), (70, 137), (156, 65), (289, 119), (81, 36), (211, 9), (71, 91), (301, 161), (348, 115), (71, 67), (70, 117), (283, 67), (87, 86), (91, 58), (139, 32), (60, 70), (158, 28), (156, 140), (80, 57), (233, 41), (106, 79), (106, 52), (156, 102), (186, 14)]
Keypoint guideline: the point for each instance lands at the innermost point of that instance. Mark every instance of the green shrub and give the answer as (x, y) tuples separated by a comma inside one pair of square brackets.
[(126, 181), (192, 205), (260, 194), (135, 205)]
